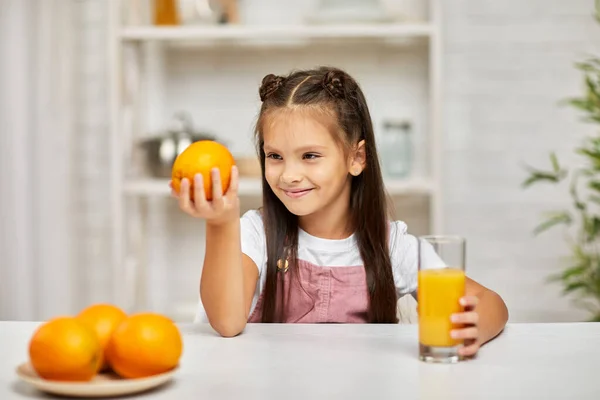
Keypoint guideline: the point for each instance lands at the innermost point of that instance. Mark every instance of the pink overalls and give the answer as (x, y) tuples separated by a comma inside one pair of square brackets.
[(324, 294)]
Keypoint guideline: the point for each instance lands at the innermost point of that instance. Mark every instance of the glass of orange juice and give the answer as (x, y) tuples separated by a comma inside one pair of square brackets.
[(441, 284)]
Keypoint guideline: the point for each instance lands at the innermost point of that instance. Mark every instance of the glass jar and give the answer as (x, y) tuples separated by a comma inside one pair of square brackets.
[(396, 149), (166, 12)]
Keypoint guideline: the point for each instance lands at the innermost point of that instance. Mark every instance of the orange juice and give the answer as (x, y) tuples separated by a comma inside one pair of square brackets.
[(439, 292)]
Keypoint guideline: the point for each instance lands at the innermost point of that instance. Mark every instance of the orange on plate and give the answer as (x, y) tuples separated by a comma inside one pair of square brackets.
[(199, 158), (103, 319), (65, 349), (143, 345)]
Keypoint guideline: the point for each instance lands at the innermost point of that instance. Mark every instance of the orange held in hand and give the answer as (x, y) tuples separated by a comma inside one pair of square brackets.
[(102, 319), (65, 349), (199, 158), (145, 344)]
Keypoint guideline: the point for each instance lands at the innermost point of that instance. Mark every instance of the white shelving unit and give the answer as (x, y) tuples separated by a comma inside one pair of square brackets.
[(241, 33), (126, 55), (253, 187), (160, 187)]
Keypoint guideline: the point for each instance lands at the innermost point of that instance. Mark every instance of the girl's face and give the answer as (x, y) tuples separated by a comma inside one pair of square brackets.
[(305, 166)]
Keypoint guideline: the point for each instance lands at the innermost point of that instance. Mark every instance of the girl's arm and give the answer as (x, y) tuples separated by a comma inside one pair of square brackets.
[(228, 279), (485, 315), (492, 311)]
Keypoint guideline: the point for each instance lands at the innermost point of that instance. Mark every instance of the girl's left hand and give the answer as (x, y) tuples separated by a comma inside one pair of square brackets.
[(469, 332)]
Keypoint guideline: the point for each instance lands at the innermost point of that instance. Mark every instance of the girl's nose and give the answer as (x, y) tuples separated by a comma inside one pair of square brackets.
[(290, 176), (290, 179)]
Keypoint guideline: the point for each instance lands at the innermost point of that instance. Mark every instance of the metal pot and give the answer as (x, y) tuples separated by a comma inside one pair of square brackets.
[(160, 152)]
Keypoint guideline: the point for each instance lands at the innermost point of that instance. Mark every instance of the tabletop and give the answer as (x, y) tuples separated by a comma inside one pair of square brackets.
[(362, 361)]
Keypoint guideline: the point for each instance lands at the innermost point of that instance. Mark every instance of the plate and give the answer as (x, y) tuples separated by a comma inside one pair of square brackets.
[(103, 384)]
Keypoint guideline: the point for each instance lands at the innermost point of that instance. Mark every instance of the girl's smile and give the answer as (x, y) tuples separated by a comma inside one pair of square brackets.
[(297, 193)]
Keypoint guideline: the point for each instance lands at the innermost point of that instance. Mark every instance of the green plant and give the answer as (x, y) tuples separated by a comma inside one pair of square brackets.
[(581, 275)]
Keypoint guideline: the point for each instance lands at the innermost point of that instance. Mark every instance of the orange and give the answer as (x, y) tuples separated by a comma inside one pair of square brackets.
[(103, 319), (199, 158), (65, 349), (145, 344)]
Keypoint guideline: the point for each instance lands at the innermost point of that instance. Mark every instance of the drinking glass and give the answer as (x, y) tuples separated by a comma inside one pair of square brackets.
[(441, 284)]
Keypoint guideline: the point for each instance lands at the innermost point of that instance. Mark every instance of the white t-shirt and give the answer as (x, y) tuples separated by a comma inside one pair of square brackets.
[(328, 253)]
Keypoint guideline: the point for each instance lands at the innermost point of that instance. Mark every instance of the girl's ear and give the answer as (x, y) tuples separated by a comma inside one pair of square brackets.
[(358, 159)]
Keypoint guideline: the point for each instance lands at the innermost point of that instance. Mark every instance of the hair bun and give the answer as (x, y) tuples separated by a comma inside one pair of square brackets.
[(333, 82), (270, 84)]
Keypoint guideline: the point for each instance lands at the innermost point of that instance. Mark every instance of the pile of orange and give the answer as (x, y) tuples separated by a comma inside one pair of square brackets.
[(200, 158), (102, 338)]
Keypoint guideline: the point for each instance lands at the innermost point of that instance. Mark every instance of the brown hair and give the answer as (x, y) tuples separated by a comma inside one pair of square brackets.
[(333, 91)]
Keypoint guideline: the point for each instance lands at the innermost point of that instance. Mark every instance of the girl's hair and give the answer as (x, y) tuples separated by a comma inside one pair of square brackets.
[(334, 92)]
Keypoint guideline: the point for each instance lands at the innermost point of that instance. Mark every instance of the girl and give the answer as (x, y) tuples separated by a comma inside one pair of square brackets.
[(322, 248)]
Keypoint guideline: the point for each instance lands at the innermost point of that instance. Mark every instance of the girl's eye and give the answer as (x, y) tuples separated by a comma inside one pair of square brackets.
[(311, 156), (274, 156)]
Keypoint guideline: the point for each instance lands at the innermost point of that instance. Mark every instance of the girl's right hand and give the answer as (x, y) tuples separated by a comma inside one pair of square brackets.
[(221, 209)]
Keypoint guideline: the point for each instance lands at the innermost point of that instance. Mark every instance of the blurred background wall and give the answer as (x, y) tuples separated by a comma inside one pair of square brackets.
[(505, 66)]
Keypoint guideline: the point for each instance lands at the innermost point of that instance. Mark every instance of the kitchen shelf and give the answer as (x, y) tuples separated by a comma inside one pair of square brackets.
[(252, 187), (277, 32), (160, 187)]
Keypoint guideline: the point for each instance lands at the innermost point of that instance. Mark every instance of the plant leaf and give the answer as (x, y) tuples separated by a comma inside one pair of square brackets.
[(594, 199), (574, 193), (553, 219), (585, 66), (595, 318), (574, 271), (593, 95), (595, 185), (591, 150), (554, 162), (594, 154), (579, 254), (582, 104), (538, 177), (574, 286), (543, 176), (593, 228)]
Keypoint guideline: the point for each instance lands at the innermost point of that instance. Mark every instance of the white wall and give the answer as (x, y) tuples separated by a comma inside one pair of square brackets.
[(508, 63)]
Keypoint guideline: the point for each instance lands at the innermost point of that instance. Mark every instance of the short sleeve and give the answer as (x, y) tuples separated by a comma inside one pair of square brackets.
[(405, 259), (253, 238), (403, 254)]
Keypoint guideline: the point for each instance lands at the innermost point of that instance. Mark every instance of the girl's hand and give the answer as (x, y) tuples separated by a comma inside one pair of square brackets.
[(221, 209), (470, 332)]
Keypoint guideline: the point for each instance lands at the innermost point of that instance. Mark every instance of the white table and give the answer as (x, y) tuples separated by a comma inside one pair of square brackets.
[(280, 362)]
